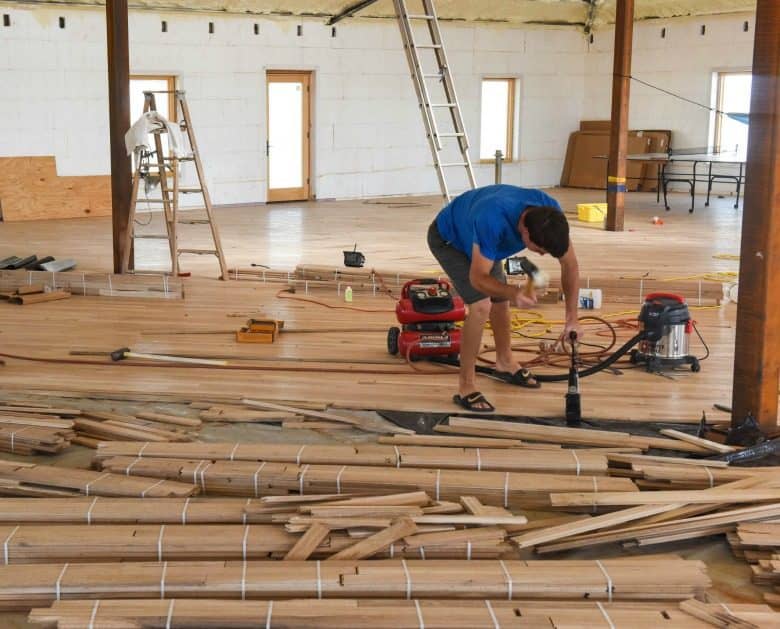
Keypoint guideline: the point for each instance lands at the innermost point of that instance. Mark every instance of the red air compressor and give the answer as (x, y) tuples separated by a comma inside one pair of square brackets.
[(427, 312)]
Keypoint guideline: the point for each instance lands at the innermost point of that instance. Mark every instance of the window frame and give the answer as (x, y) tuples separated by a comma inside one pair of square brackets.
[(170, 79), (509, 154), (719, 79)]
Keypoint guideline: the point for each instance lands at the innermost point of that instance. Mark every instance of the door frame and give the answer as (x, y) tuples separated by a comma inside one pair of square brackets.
[(302, 193)]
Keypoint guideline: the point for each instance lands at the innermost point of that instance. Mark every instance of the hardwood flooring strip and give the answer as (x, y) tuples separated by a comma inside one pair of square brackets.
[(665, 579), (557, 461), (381, 614), (252, 479)]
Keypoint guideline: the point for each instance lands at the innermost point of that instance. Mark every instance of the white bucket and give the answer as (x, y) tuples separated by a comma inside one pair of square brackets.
[(589, 299)]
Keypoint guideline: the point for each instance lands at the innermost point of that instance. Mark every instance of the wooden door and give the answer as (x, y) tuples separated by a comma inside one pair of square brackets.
[(288, 98)]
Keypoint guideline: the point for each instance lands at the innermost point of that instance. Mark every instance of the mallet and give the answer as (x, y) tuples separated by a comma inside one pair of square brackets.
[(125, 352)]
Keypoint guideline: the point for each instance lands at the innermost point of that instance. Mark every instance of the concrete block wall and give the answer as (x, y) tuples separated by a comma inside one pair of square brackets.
[(367, 135), (682, 62)]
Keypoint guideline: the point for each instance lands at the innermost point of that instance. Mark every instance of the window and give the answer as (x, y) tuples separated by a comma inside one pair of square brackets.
[(732, 97), (498, 116), (165, 103)]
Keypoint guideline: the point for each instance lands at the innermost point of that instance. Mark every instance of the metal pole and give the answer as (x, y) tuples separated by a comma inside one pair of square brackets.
[(499, 164)]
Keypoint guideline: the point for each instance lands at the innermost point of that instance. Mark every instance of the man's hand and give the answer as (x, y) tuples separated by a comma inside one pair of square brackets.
[(571, 326), (522, 299)]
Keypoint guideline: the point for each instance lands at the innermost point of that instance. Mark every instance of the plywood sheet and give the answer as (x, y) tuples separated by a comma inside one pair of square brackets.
[(31, 189)]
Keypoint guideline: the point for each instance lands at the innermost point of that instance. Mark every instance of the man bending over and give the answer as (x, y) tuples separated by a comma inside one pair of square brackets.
[(470, 237)]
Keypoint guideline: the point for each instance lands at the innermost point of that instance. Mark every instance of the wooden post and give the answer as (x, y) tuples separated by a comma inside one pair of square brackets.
[(618, 138), (757, 348), (119, 123)]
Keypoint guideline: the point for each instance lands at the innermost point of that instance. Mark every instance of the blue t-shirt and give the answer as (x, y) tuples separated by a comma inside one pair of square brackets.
[(488, 217)]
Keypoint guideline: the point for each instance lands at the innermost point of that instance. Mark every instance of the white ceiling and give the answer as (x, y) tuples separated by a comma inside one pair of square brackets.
[(578, 13)]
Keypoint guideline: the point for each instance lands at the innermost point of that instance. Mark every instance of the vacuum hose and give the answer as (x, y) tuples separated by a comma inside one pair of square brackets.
[(595, 368)]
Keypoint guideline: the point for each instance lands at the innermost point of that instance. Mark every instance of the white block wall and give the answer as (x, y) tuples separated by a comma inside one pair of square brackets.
[(367, 135), (683, 62)]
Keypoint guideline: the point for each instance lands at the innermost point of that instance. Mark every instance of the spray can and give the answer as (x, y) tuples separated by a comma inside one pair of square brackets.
[(348, 294)]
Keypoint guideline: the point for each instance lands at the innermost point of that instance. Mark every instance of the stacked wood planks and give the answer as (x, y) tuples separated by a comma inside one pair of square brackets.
[(100, 284), (557, 461), (27, 479), (245, 478), (108, 529), (29, 435), (665, 579), (381, 614)]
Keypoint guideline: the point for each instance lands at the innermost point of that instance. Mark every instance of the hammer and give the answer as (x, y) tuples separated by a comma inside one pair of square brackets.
[(536, 277), (125, 352)]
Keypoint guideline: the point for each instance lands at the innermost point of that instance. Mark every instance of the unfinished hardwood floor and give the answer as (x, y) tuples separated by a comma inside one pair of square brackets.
[(308, 365)]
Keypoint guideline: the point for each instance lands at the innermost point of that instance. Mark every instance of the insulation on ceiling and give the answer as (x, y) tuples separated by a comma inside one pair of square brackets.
[(579, 13)]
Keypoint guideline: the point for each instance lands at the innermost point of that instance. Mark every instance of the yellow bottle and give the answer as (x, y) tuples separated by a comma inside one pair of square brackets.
[(348, 294)]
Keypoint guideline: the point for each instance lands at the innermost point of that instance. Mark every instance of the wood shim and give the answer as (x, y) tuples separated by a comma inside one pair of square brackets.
[(382, 614), (100, 284), (555, 461), (244, 478), (665, 579)]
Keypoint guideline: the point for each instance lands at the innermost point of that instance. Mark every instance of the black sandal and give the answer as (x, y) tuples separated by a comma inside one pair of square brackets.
[(521, 378), (474, 402)]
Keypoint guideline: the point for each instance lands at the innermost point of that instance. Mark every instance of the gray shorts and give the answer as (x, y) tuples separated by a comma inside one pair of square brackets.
[(456, 265)]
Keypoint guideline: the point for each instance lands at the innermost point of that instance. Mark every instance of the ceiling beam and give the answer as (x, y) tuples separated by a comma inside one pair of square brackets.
[(350, 11), (757, 347), (618, 137), (118, 48)]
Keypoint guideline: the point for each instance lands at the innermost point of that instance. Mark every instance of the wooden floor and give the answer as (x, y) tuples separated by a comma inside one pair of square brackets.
[(391, 233)]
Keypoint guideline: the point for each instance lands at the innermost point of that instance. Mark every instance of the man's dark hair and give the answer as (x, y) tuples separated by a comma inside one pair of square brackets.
[(548, 228)]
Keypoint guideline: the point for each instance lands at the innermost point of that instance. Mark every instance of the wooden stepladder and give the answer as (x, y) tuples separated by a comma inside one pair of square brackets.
[(442, 130), (155, 165)]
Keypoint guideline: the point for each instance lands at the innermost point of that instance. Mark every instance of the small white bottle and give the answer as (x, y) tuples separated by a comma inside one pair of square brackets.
[(348, 294)]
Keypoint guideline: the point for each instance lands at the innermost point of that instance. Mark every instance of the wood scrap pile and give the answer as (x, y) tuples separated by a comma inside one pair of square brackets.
[(33, 294), (24, 431), (96, 426), (381, 614), (293, 418), (96, 284), (30, 427), (759, 544)]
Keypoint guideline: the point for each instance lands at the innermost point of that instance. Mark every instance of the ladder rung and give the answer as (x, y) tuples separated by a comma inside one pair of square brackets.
[(451, 135), (145, 200), (440, 75), (427, 46), (152, 236), (443, 105), (194, 221), (450, 164), (419, 16), (212, 252), (190, 190), (189, 158)]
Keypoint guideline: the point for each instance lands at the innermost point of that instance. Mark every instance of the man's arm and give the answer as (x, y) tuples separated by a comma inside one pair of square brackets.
[(481, 279), (570, 281)]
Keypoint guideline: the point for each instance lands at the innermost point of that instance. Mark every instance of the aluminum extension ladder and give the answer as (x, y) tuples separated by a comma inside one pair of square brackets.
[(155, 165), (447, 155)]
